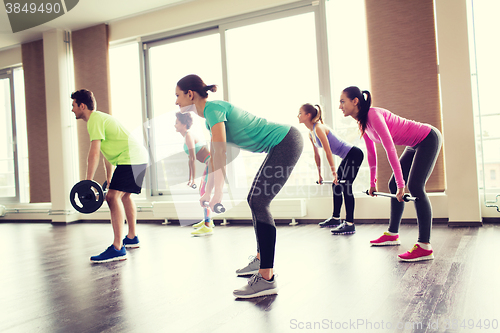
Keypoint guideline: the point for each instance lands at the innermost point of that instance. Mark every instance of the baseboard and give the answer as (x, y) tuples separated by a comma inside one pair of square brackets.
[(462, 224), (356, 221), (491, 219), (376, 221), (277, 221), (24, 221)]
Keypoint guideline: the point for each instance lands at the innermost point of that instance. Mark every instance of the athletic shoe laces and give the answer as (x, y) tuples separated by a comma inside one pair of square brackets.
[(413, 248), (252, 259), (254, 279)]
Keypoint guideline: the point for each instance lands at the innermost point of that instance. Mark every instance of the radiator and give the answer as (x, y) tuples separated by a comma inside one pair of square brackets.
[(189, 210)]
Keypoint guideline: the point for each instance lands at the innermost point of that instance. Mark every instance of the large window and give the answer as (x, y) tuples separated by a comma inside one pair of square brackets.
[(14, 175), (168, 61), (126, 98), (272, 70), (485, 71), (349, 66), (267, 63)]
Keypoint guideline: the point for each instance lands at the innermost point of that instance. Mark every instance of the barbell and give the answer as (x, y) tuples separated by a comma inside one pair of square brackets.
[(342, 181), (87, 196), (406, 196)]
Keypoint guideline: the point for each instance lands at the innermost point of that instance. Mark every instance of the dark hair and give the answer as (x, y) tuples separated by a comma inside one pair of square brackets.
[(315, 111), (364, 105), (195, 83), (185, 119), (84, 96)]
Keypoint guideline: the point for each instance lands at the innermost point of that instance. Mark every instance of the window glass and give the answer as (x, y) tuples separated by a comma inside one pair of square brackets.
[(7, 163), (272, 71), (349, 66), (168, 63), (126, 99), (21, 135), (485, 69)]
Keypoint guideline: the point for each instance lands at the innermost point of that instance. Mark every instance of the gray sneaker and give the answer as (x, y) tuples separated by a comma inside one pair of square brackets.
[(250, 269), (257, 286)]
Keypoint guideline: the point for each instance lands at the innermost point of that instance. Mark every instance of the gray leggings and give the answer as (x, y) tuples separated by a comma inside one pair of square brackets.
[(417, 164), (269, 180)]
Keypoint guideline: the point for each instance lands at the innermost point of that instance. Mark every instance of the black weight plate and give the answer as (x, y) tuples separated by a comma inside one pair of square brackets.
[(86, 196)]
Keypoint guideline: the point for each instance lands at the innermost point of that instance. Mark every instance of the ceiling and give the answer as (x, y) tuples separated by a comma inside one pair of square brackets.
[(85, 14)]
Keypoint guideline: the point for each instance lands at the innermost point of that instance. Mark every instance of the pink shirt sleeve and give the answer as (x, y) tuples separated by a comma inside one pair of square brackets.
[(377, 121)]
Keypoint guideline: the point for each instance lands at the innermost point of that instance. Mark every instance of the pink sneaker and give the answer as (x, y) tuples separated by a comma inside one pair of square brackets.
[(416, 254), (386, 239)]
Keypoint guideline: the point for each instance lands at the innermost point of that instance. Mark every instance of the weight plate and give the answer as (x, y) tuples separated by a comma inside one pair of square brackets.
[(86, 196)]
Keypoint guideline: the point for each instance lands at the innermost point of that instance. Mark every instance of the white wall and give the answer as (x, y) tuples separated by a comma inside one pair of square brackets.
[(457, 108), (11, 57), (184, 15)]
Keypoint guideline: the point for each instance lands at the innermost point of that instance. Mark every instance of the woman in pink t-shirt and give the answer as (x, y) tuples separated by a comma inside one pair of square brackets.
[(423, 143)]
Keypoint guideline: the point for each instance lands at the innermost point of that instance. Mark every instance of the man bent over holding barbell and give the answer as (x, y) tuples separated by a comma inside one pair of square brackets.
[(120, 149)]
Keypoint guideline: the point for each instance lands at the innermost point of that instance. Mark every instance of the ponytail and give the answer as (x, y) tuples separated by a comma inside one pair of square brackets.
[(314, 111), (319, 114), (195, 83), (363, 105), (212, 88)]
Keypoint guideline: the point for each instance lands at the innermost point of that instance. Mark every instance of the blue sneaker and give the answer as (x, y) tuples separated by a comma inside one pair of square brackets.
[(111, 254), (131, 243)]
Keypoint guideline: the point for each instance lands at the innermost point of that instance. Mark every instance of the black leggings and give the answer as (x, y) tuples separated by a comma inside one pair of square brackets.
[(348, 170), (269, 180), (417, 164)]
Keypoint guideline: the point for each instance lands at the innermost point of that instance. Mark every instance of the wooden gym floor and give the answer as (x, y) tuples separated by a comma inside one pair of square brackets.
[(177, 283)]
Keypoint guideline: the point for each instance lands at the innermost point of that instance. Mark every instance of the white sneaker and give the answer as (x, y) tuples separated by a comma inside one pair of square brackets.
[(250, 269), (257, 286)]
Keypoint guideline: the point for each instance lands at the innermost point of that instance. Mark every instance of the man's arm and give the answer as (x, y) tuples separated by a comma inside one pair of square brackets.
[(93, 158), (108, 170)]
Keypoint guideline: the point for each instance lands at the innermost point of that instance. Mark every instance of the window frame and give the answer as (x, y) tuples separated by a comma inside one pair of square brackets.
[(8, 73)]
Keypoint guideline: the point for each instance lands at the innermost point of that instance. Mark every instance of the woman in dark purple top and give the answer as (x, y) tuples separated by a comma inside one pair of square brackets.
[(322, 137)]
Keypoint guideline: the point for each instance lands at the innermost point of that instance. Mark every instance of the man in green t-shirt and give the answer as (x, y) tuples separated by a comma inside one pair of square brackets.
[(120, 149)]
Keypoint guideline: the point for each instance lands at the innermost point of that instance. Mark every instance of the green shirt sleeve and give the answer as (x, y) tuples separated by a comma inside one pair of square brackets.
[(118, 146), (244, 129), (214, 114), (95, 126)]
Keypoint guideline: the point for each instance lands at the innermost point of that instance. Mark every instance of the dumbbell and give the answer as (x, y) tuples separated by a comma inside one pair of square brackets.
[(342, 181), (406, 196), (218, 208), (87, 196)]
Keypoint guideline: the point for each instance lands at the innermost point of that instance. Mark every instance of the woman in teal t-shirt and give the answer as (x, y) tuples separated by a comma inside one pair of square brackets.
[(283, 145)]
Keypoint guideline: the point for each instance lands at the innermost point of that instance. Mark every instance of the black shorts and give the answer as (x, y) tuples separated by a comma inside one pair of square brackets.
[(128, 178)]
